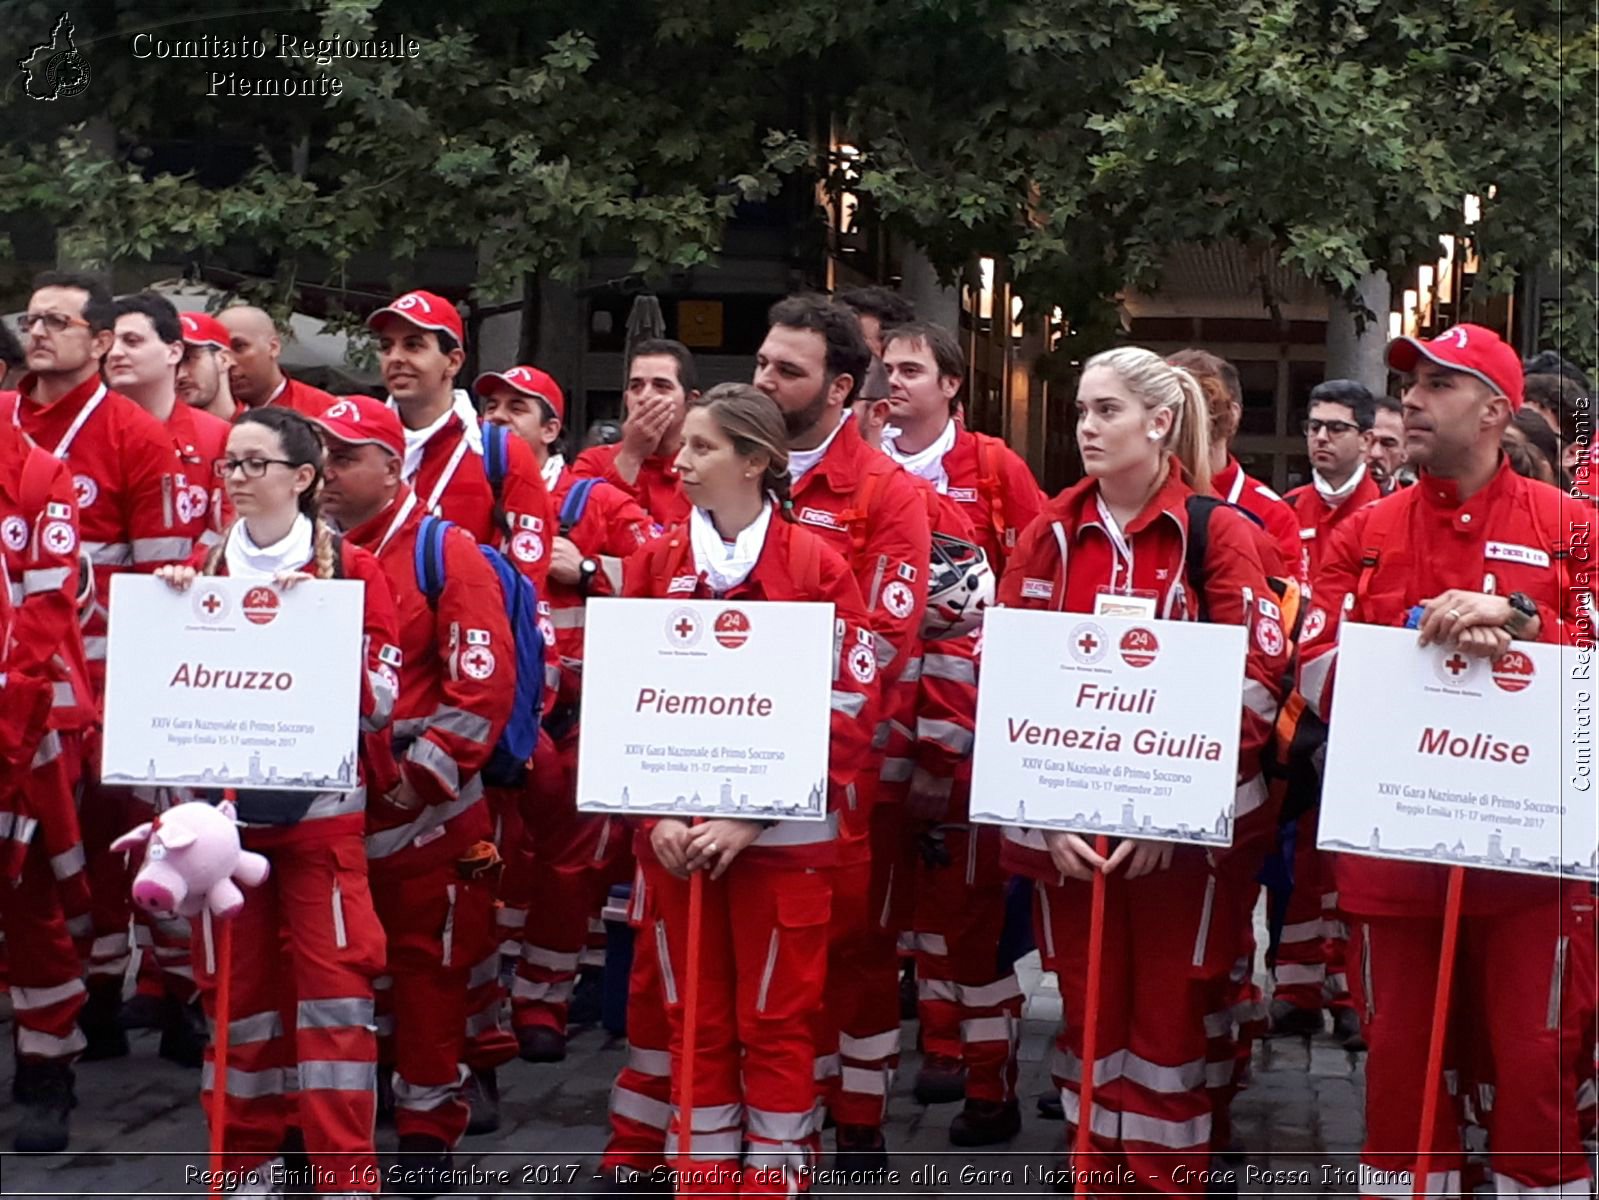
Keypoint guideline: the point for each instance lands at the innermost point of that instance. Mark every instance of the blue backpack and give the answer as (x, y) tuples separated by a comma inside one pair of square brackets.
[(575, 504), (507, 766)]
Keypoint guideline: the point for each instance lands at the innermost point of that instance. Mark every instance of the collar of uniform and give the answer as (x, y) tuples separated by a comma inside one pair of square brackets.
[(1443, 495), (1078, 503), (841, 464), (1222, 481), (180, 424), (69, 404)]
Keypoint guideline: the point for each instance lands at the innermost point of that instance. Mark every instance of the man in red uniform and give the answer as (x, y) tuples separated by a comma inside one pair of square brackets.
[(254, 377), (1495, 568), (1224, 396), (143, 365), (969, 1008), (660, 381), (458, 662), (811, 364), (1308, 973), (421, 349), (574, 856), (203, 370), (127, 481), (44, 896)]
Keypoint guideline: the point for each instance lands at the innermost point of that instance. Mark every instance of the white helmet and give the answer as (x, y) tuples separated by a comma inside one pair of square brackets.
[(959, 588)]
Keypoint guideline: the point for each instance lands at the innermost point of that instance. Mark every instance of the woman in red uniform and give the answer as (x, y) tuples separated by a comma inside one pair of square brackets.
[(767, 897), (303, 1054), (1117, 542)]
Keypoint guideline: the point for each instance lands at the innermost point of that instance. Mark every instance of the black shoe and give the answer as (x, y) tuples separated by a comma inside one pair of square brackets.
[(385, 1104), (985, 1123), (1289, 1020), (587, 998), (907, 993), (98, 1020), (483, 1095), (421, 1167), (1050, 1107), (940, 1081), (1346, 1030), (540, 1044), (861, 1149), (143, 1011), (298, 1178), (47, 1098), (183, 1034)]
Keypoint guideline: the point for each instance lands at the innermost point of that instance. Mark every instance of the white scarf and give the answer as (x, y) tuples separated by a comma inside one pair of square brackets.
[(725, 566), (246, 560), (553, 466), (416, 440), (1336, 496), (925, 464), (801, 461)]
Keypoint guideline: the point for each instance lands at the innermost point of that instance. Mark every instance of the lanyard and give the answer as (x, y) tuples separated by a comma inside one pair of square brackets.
[(77, 425), (449, 474), (394, 525), (1237, 489)]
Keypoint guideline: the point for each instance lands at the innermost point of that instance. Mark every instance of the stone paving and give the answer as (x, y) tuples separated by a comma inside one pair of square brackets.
[(138, 1132)]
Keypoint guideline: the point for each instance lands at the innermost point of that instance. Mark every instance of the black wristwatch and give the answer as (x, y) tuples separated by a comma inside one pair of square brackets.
[(586, 570), (1523, 612)]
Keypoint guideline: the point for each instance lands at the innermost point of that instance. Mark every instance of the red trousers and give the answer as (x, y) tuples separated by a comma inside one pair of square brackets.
[(573, 857), (1512, 991), (1309, 968), (763, 955), (44, 970), (489, 1042), (641, 1096), (968, 1007), (422, 995), (105, 814), (1164, 935), (302, 1049), (857, 1029)]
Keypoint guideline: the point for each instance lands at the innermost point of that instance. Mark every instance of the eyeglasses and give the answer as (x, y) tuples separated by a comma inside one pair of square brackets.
[(1333, 428), (53, 321), (254, 468)]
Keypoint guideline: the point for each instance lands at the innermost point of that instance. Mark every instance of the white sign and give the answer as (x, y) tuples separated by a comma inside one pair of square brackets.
[(1437, 757), (233, 684), (706, 708), (1103, 724)]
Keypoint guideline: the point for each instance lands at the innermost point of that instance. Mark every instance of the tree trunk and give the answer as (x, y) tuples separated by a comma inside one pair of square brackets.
[(1354, 353)]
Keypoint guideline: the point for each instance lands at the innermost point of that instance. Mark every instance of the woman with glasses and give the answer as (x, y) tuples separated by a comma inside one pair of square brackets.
[(308, 943), (1118, 542)]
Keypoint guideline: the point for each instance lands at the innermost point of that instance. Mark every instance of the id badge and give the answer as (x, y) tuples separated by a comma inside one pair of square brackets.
[(1124, 604)]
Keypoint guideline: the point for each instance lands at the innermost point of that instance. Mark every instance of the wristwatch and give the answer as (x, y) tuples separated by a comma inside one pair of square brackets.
[(1523, 612), (586, 570)]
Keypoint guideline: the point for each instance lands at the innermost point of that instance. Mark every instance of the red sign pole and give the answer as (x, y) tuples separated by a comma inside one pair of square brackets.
[(691, 1006), (219, 1041), (1440, 1028), (1085, 1089)]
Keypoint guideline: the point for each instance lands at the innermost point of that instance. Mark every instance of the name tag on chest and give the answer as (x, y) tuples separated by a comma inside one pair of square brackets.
[(1119, 604), (1527, 556)]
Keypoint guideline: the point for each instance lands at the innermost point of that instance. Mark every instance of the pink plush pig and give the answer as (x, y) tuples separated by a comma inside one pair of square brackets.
[(192, 859)]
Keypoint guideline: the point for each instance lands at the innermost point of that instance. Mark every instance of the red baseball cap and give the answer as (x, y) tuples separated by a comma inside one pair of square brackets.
[(202, 329), (425, 310), (361, 421), (1474, 349), (530, 381)]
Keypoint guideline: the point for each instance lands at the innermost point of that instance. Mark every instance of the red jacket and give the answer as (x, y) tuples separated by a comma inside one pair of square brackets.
[(39, 547), (458, 685), (301, 397), (127, 478), (650, 574), (380, 684), (997, 490), (201, 441), (1233, 486), (612, 526), (451, 483), (1236, 592), (1529, 526), (658, 490), (1318, 519)]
